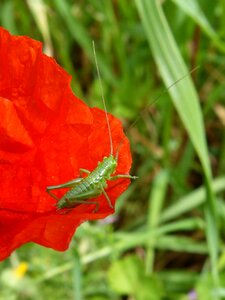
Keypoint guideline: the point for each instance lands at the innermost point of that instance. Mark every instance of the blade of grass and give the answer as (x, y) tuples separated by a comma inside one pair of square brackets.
[(82, 37), (7, 18), (191, 201), (126, 241), (181, 244), (39, 12), (184, 97), (192, 8), (77, 278), (156, 200)]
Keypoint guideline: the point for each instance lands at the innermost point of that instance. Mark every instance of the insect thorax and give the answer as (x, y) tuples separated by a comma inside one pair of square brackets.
[(107, 167)]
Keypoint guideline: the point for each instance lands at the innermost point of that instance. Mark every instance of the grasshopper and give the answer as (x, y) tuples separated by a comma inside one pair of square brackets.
[(84, 188)]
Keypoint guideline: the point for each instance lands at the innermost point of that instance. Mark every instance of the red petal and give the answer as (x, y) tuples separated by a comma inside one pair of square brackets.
[(14, 135), (46, 135)]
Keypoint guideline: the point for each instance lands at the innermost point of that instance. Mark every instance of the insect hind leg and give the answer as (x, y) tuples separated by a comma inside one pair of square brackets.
[(69, 184), (76, 201)]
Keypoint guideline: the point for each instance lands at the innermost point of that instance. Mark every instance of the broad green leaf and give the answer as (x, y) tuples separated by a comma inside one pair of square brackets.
[(127, 277)]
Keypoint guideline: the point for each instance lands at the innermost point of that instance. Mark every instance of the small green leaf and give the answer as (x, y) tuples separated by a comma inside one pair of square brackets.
[(127, 277)]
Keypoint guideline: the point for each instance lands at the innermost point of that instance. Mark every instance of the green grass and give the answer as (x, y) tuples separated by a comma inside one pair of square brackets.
[(168, 240)]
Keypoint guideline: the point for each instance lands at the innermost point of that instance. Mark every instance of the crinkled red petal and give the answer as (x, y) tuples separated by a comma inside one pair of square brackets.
[(46, 135)]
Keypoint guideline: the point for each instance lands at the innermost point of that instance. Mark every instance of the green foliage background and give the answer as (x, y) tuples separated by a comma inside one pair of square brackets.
[(166, 240)]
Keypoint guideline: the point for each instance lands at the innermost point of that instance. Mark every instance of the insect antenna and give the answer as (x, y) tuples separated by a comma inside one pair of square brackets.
[(103, 100), (165, 91)]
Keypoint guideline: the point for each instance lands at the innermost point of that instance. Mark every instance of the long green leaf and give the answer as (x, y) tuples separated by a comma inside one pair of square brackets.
[(193, 9), (185, 99)]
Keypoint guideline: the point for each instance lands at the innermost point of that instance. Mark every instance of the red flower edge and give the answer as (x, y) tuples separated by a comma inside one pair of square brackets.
[(46, 135)]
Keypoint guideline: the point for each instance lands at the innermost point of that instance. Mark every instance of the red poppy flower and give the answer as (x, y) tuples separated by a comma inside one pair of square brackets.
[(46, 135)]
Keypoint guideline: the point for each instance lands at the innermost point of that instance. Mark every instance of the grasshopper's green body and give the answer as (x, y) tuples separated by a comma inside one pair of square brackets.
[(86, 188), (92, 186), (89, 187)]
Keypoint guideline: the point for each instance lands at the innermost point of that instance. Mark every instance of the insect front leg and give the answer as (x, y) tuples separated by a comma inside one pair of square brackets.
[(84, 171), (122, 176)]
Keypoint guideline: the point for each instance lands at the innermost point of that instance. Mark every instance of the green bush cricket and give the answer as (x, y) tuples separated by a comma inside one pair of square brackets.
[(95, 184)]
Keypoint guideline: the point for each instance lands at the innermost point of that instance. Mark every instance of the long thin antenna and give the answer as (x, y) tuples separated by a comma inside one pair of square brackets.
[(154, 101), (103, 100)]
